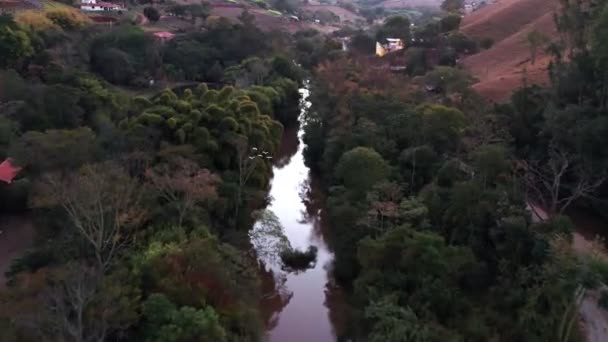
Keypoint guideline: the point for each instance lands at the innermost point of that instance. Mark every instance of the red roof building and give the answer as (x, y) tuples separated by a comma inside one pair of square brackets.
[(8, 171), (164, 35)]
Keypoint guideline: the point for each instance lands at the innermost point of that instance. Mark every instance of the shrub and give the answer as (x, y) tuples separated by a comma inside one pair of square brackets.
[(486, 43), (603, 300), (295, 259), (151, 13)]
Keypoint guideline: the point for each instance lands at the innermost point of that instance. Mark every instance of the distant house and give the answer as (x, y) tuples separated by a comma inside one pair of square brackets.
[(164, 36), (8, 171), (12, 6), (391, 45), (94, 5)]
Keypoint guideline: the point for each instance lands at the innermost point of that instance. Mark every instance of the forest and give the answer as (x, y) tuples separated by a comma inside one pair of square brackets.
[(143, 204), (429, 187)]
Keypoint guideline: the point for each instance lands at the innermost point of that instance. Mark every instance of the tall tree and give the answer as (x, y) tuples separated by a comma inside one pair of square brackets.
[(183, 186), (101, 202), (535, 40)]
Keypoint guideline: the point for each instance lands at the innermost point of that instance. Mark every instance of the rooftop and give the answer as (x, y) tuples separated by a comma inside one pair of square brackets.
[(8, 171)]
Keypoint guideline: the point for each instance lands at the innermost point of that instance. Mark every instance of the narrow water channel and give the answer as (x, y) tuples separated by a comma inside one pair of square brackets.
[(310, 296)]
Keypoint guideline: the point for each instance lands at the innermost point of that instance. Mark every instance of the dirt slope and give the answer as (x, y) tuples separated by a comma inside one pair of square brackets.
[(502, 68)]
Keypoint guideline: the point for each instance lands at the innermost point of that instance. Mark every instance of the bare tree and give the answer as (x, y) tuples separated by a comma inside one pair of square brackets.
[(73, 303), (560, 180), (67, 299), (535, 40), (183, 186), (249, 158), (102, 203)]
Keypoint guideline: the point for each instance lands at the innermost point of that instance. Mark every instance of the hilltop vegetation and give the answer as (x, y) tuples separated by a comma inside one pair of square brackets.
[(428, 190), (141, 204)]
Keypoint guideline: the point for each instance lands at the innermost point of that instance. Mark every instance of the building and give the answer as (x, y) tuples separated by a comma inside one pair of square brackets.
[(392, 45), (94, 5), (163, 36), (8, 171)]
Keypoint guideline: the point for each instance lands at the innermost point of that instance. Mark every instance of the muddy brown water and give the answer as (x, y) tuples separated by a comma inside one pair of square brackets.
[(308, 307)]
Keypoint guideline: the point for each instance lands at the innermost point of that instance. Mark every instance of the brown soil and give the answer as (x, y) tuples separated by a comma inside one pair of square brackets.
[(504, 67), (16, 235)]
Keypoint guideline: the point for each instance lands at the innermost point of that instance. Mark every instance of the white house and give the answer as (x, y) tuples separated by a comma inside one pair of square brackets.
[(392, 45), (94, 5)]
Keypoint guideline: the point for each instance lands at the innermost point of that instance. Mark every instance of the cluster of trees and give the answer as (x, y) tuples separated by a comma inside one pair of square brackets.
[(559, 132), (428, 44), (141, 204), (427, 202)]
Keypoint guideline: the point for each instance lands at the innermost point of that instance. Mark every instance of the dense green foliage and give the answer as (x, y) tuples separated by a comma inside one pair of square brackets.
[(428, 191), (141, 202)]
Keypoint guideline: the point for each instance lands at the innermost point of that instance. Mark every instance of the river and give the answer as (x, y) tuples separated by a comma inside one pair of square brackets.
[(310, 298)]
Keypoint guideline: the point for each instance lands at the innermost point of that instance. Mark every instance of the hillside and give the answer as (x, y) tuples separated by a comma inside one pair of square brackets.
[(410, 3), (341, 12), (503, 67)]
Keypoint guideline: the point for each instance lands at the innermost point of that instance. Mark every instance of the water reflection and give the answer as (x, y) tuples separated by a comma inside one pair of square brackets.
[(300, 306)]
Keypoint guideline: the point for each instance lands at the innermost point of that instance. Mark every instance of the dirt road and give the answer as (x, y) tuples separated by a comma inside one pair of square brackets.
[(16, 235)]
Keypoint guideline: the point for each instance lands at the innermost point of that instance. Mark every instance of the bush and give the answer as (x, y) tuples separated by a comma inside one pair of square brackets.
[(295, 259), (486, 43), (603, 301), (450, 23), (151, 13)]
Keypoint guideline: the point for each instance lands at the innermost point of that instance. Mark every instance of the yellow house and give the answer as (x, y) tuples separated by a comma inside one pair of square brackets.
[(392, 45)]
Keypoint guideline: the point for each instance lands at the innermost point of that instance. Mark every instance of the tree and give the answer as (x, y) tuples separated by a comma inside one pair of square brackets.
[(535, 41), (268, 237), (152, 14), (83, 307), (15, 44), (490, 162), (248, 159), (448, 80), (195, 11), (101, 202), (360, 168), (362, 43), (183, 186), (178, 10), (442, 127), (167, 323), (452, 5), (394, 323), (450, 22), (395, 27), (55, 150), (561, 179)]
